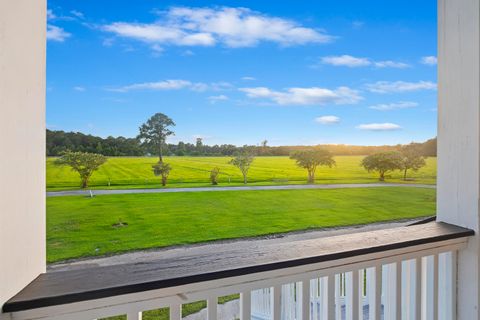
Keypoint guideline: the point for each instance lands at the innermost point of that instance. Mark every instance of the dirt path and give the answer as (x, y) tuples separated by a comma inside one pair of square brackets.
[(241, 188)]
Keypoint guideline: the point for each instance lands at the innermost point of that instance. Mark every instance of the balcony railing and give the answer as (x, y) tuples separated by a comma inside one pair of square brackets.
[(400, 273)]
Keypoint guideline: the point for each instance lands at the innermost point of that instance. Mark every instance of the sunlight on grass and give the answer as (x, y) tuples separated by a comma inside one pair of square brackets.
[(135, 172), (79, 226)]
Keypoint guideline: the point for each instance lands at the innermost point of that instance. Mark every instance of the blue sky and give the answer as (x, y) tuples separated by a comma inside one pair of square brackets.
[(291, 72)]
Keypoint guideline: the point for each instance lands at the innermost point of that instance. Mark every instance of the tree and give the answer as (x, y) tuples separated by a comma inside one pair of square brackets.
[(412, 158), (162, 169), (243, 161), (214, 175), (264, 147), (199, 145), (60, 141), (311, 159), (429, 148), (155, 131), (383, 162), (82, 162)]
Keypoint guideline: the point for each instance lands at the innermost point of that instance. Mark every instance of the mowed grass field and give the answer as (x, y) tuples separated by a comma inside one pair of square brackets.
[(136, 172), (79, 226)]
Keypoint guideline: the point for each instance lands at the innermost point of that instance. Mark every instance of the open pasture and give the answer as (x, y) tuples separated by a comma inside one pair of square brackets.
[(136, 172)]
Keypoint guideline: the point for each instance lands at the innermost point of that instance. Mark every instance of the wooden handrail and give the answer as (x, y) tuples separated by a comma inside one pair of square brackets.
[(62, 287)]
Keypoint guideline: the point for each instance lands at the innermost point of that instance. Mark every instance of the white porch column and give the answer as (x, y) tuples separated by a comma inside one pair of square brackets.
[(459, 138), (22, 143)]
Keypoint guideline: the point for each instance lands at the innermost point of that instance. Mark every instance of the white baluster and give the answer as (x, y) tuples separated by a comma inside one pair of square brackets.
[(305, 300), (212, 303), (408, 291), (352, 295), (398, 290), (435, 287), (245, 305), (315, 299), (377, 279), (338, 294), (324, 298), (388, 291), (452, 285), (418, 288), (286, 300), (331, 296), (355, 287), (176, 312), (276, 307), (427, 288), (134, 316), (367, 287)]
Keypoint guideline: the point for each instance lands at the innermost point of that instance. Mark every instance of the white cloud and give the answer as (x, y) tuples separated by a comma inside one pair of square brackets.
[(346, 61), (379, 126), (77, 14), (155, 86), (55, 33), (173, 84), (248, 78), (327, 119), (199, 87), (355, 62), (108, 42), (231, 27), (400, 86), (391, 64), (394, 106), (188, 53), (429, 60), (215, 99), (50, 14), (220, 86), (157, 50), (358, 24), (79, 88), (159, 34), (305, 96)]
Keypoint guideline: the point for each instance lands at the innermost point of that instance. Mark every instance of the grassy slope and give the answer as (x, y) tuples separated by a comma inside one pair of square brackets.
[(194, 171), (78, 226)]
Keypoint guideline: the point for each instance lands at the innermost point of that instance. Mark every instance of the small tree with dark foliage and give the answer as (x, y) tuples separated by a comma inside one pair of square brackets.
[(311, 159), (412, 159), (162, 169), (82, 162), (383, 162)]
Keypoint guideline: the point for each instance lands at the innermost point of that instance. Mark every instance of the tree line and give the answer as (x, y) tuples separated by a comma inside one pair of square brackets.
[(60, 141)]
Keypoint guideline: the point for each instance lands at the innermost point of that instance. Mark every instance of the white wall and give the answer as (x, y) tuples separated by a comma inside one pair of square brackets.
[(458, 187), (22, 143)]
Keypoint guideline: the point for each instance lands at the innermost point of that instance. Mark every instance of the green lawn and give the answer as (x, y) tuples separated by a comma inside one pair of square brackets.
[(135, 172), (79, 226)]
